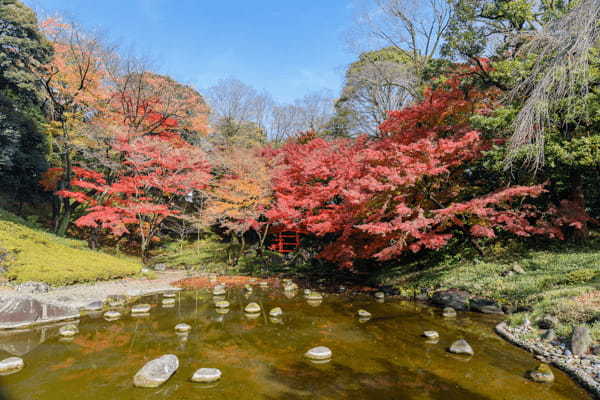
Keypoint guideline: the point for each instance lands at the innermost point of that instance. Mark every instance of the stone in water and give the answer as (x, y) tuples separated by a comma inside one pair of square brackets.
[(276, 312), (206, 375), (222, 304), (379, 295), (318, 353), (449, 312), (263, 284), (169, 295), (431, 334), (461, 347), (182, 328), (11, 365), (542, 374), (252, 308), (168, 302), (140, 309), (112, 315), (68, 331), (156, 372), (364, 314), (219, 290), (314, 296)]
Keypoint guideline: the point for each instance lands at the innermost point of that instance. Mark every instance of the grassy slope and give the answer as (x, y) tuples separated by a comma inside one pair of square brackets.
[(564, 281), (36, 255)]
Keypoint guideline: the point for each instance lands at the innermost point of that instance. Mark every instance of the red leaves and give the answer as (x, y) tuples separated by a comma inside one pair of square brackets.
[(406, 192)]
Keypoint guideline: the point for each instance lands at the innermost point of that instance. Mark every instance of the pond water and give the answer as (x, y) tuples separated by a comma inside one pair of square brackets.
[(383, 358)]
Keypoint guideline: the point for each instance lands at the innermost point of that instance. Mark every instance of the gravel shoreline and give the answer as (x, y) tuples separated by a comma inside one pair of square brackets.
[(584, 370)]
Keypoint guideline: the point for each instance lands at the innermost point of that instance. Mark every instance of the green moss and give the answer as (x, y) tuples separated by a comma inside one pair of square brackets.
[(40, 256)]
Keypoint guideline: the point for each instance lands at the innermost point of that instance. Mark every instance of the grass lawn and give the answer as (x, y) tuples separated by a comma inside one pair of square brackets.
[(36, 255), (564, 281)]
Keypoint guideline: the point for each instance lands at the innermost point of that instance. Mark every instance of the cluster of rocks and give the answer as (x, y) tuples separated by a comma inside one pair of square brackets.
[(460, 300), (577, 357)]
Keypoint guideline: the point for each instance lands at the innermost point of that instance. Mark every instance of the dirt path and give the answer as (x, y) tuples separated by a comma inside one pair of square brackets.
[(80, 295)]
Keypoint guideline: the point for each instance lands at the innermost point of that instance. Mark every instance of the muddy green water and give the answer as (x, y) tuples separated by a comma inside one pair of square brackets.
[(384, 358)]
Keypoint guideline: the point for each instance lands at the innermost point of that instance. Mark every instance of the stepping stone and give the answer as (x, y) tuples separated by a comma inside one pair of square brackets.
[(263, 284), (252, 315), (307, 292), (319, 353), (219, 290), (276, 312), (314, 296), (379, 295), (449, 312), (461, 347), (156, 372), (169, 295), (68, 331), (141, 309), (112, 315), (542, 374), (222, 311), (222, 304), (182, 328), (364, 314), (248, 288), (11, 365), (168, 302), (206, 375), (252, 308), (431, 334)]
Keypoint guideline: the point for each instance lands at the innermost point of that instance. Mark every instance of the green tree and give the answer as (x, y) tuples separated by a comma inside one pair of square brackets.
[(23, 52)]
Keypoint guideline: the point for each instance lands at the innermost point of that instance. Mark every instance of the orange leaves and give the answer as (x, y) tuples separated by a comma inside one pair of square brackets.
[(240, 197)]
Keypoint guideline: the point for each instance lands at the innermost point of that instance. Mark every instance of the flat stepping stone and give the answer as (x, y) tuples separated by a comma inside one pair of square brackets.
[(431, 334), (156, 372), (319, 353), (307, 292), (11, 365), (94, 306), (449, 312), (222, 311), (222, 304), (141, 309), (364, 314), (263, 284), (68, 331), (169, 295), (314, 296), (168, 302), (112, 315), (461, 347), (542, 374), (248, 288), (276, 312), (290, 287), (183, 328), (206, 375), (219, 290), (252, 308), (379, 295)]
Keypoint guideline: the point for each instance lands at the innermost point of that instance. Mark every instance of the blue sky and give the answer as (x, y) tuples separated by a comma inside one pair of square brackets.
[(289, 48)]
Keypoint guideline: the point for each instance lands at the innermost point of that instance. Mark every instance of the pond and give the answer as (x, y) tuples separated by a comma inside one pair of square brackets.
[(383, 358)]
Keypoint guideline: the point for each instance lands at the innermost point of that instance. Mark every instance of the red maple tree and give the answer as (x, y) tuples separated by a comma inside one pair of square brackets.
[(406, 192)]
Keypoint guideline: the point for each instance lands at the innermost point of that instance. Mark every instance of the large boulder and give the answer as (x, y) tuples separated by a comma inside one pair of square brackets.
[(457, 299), (581, 340), (485, 306), (156, 372), (18, 312)]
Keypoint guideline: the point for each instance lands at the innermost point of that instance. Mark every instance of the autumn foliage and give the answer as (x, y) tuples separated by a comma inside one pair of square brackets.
[(405, 192)]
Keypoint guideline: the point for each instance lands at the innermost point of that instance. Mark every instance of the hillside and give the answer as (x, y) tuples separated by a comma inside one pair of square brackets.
[(30, 254)]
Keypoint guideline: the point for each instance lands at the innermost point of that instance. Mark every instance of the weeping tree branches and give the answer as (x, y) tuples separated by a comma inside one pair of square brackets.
[(561, 50)]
